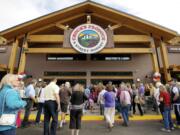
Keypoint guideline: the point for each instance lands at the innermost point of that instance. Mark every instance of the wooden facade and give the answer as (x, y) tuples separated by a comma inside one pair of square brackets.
[(42, 35)]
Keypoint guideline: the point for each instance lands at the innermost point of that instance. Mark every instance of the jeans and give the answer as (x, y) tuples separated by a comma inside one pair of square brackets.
[(138, 105), (27, 112), (50, 111), (8, 132), (177, 113), (167, 118), (40, 108), (118, 106), (101, 109), (125, 115)]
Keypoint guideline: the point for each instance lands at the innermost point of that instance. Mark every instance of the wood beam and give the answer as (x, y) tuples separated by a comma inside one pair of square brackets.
[(23, 56), (164, 57), (105, 18), (12, 60), (45, 38), (131, 39), (117, 22), (104, 51), (134, 28), (115, 26), (3, 41), (116, 38), (41, 28), (71, 18), (61, 26), (154, 56), (54, 23)]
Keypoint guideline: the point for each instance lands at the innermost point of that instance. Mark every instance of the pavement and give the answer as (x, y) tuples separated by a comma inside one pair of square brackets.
[(93, 124), (99, 128)]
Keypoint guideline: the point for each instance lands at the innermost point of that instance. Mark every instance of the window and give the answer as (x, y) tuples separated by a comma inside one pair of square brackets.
[(111, 57), (111, 74), (66, 57), (62, 73)]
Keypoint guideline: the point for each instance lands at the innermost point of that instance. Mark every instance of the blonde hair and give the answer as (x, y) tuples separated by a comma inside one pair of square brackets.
[(79, 87), (7, 80), (162, 88)]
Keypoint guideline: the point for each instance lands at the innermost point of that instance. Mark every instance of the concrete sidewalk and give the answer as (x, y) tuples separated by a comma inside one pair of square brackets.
[(100, 128)]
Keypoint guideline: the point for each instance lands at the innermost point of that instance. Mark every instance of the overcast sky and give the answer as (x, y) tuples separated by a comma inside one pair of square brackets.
[(162, 12)]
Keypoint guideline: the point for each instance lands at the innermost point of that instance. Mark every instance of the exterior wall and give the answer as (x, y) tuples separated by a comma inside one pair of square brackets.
[(174, 58), (140, 65), (5, 56)]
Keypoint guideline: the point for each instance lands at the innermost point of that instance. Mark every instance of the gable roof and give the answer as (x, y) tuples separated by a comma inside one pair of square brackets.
[(94, 8)]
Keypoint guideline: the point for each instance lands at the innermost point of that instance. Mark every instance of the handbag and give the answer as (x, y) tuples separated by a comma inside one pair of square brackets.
[(7, 119)]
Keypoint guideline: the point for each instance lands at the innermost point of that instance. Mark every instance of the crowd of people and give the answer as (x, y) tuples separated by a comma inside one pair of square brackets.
[(20, 92)]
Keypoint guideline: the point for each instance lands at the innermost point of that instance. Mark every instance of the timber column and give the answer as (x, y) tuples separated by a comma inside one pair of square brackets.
[(164, 57), (22, 63), (154, 56), (12, 60)]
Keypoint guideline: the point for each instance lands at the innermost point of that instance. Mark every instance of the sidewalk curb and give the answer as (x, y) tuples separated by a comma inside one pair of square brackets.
[(32, 117)]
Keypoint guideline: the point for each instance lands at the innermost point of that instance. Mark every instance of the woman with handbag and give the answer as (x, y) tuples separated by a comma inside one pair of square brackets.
[(125, 100), (10, 103)]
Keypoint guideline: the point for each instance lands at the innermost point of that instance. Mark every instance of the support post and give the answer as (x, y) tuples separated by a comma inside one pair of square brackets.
[(165, 61), (154, 56), (12, 60), (23, 56)]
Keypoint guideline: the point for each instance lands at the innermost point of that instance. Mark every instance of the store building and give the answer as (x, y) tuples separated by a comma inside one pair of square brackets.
[(89, 43)]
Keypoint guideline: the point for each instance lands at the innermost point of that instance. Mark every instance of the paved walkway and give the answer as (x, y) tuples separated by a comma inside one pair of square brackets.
[(99, 128)]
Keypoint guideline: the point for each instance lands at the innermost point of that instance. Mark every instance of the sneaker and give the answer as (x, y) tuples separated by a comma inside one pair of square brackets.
[(172, 128), (37, 124), (177, 126), (110, 127), (165, 130), (125, 125), (61, 124)]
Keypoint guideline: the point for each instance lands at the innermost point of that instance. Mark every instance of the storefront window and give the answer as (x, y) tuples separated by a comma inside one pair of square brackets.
[(66, 57), (111, 57)]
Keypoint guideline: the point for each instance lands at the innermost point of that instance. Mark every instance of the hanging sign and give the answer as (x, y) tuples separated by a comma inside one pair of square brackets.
[(88, 38)]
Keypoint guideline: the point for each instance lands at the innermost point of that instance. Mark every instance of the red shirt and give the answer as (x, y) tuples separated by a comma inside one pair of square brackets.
[(166, 98)]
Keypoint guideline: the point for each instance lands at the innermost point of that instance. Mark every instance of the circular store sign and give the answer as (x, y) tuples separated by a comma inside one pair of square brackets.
[(88, 38)]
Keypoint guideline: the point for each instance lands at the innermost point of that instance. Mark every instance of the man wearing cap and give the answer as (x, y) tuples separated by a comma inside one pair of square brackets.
[(30, 98)]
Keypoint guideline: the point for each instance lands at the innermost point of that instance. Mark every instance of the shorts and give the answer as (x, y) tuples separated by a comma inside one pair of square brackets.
[(64, 107)]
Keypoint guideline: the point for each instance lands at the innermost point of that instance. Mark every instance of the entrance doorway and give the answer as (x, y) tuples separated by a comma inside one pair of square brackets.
[(72, 82), (115, 82)]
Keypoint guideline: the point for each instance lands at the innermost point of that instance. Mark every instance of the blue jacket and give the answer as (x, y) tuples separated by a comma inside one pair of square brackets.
[(13, 103)]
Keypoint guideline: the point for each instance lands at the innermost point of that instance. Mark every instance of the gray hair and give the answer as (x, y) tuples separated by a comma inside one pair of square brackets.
[(67, 84), (7, 80)]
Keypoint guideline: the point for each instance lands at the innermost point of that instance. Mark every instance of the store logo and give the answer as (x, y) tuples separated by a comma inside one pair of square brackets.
[(88, 38)]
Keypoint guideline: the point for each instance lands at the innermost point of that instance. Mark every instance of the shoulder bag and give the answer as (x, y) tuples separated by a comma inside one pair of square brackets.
[(7, 119)]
